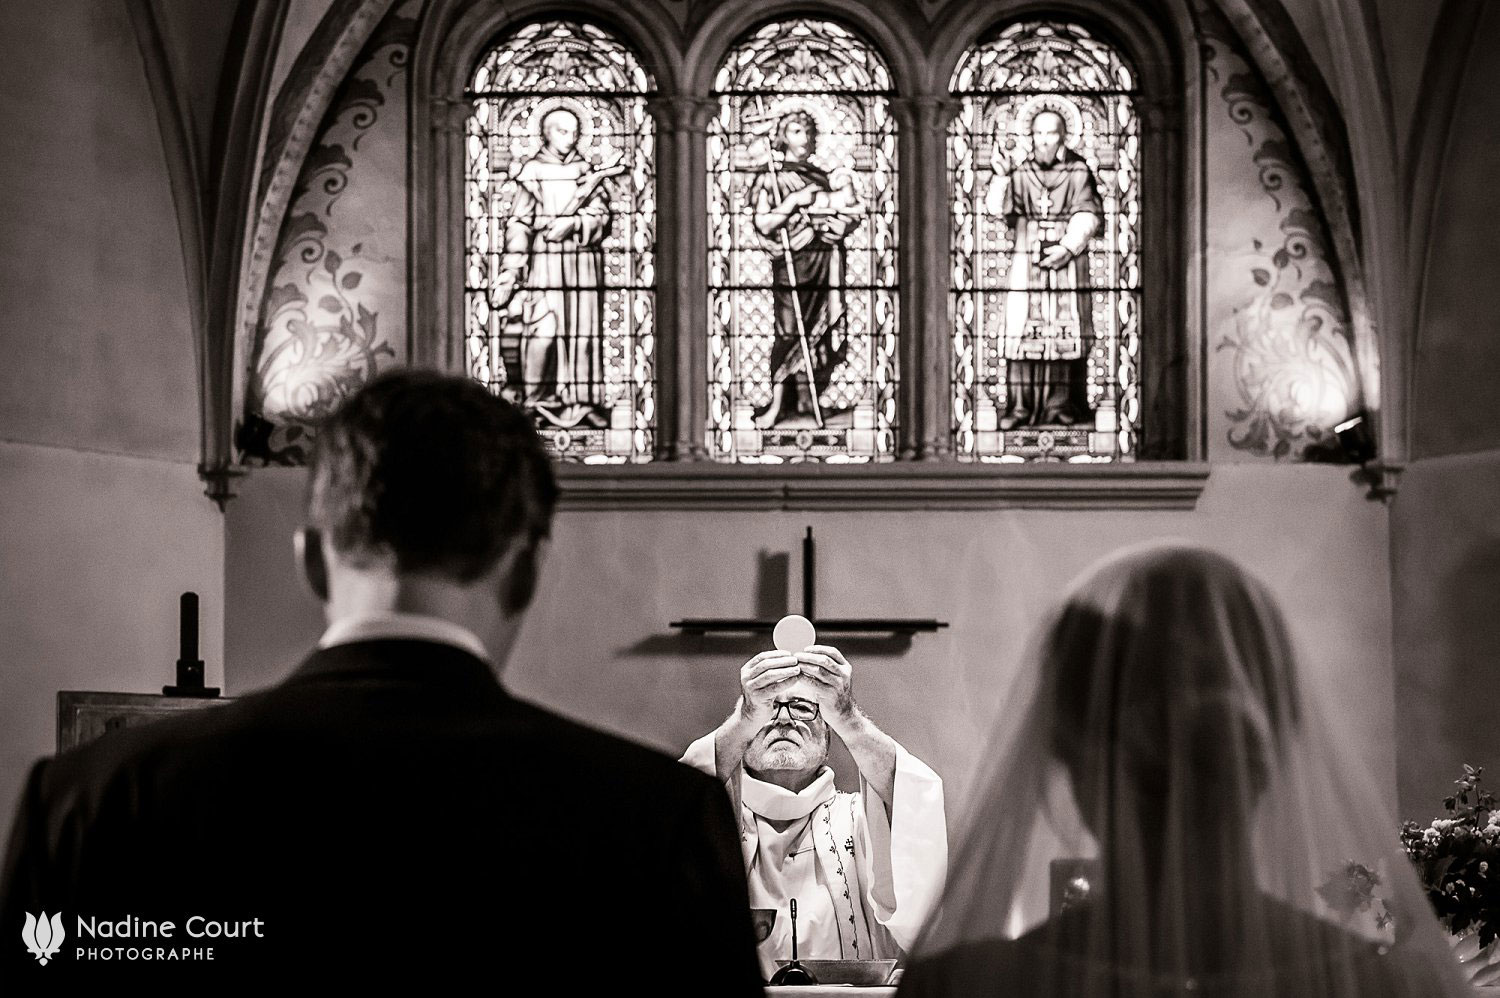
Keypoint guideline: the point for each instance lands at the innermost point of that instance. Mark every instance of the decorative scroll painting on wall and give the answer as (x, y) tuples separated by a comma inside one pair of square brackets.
[(803, 323), (338, 279), (1280, 344), (560, 217), (1044, 162)]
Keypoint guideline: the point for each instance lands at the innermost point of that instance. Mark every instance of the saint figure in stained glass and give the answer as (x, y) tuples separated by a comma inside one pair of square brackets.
[(560, 227), (803, 336), (1044, 158), (1051, 202), (803, 214), (550, 275)]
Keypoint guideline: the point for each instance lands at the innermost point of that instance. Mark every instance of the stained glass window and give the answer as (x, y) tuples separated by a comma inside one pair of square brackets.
[(1044, 166), (560, 212), (802, 249)]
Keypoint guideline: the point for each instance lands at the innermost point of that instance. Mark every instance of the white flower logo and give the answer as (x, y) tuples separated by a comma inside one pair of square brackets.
[(43, 938)]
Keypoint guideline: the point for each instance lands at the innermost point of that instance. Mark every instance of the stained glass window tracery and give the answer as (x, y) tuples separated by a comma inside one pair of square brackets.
[(1044, 167), (803, 337), (560, 225)]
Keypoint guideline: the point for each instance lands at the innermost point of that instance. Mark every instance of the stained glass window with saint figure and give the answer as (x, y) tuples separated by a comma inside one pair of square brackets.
[(560, 213), (802, 249), (1044, 163)]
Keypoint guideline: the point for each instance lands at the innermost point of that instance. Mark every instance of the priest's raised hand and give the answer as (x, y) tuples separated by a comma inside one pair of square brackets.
[(830, 679)]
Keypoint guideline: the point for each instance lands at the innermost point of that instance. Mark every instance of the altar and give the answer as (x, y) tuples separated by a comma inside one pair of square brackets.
[(831, 991)]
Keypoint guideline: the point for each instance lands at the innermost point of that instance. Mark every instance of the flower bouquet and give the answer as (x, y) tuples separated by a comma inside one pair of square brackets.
[(1458, 861)]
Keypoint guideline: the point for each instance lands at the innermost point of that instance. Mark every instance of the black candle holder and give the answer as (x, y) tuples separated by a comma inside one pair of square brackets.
[(189, 665)]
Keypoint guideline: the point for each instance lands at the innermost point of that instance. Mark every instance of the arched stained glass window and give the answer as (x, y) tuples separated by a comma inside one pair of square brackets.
[(1044, 162), (560, 212), (802, 249)]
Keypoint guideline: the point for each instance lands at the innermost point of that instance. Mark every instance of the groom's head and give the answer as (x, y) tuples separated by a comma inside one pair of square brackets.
[(425, 476)]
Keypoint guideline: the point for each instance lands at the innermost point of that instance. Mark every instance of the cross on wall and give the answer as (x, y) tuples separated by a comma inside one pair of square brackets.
[(903, 626)]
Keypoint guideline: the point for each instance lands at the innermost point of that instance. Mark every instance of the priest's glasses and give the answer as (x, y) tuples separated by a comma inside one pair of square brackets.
[(796, 710)]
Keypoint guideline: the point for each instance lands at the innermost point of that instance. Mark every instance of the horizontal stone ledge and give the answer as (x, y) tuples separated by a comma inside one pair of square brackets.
[(892, 486)]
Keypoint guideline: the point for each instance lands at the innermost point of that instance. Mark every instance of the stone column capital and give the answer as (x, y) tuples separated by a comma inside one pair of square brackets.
[(677, 113), (451, 117), (926, 113)]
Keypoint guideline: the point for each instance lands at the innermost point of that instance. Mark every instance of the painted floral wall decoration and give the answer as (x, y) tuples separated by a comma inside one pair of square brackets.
[(1280, 352), (336, 298)]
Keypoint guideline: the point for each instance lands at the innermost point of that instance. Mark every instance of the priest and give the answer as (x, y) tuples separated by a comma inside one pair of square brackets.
[(865, 868)]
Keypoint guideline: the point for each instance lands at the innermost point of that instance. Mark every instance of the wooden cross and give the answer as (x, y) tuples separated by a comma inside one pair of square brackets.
[(833, 625)]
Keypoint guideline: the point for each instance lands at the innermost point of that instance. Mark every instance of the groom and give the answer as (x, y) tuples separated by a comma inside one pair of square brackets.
[(390, 808)]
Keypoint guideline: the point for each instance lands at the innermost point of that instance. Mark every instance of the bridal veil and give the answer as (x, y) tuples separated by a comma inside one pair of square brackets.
[(1170, 807)]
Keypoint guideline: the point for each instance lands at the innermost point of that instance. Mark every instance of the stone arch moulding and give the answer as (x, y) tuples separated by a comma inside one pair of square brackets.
[(213, 195), (1429, 144)]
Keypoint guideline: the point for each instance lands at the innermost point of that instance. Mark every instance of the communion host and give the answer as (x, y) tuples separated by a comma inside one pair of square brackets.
[(390, 808)]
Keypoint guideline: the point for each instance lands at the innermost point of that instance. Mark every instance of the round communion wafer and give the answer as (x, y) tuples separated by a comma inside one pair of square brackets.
[(793, 633)]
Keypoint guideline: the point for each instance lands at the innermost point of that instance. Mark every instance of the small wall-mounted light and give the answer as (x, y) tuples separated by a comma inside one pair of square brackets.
[(1349, 442), (1352, 442), (1354, 436)]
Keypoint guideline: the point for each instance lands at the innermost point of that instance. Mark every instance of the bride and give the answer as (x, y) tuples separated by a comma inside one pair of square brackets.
[(1174, 812)]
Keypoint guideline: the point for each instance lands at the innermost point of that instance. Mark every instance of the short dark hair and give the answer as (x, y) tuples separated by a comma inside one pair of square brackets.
[(434, 469)]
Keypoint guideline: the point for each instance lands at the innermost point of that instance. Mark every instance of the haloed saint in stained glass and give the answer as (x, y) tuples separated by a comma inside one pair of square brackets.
[(560, 233), (1044, 162), (802, 249)]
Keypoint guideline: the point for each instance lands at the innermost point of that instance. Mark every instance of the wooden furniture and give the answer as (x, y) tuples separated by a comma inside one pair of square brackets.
[(83, 716)]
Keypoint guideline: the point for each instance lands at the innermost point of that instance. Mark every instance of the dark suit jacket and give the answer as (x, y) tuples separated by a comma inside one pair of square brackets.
[(388, 808)]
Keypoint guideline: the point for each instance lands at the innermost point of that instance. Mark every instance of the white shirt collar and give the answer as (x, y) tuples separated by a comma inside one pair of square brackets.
[(779, 804), (392, 624)]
